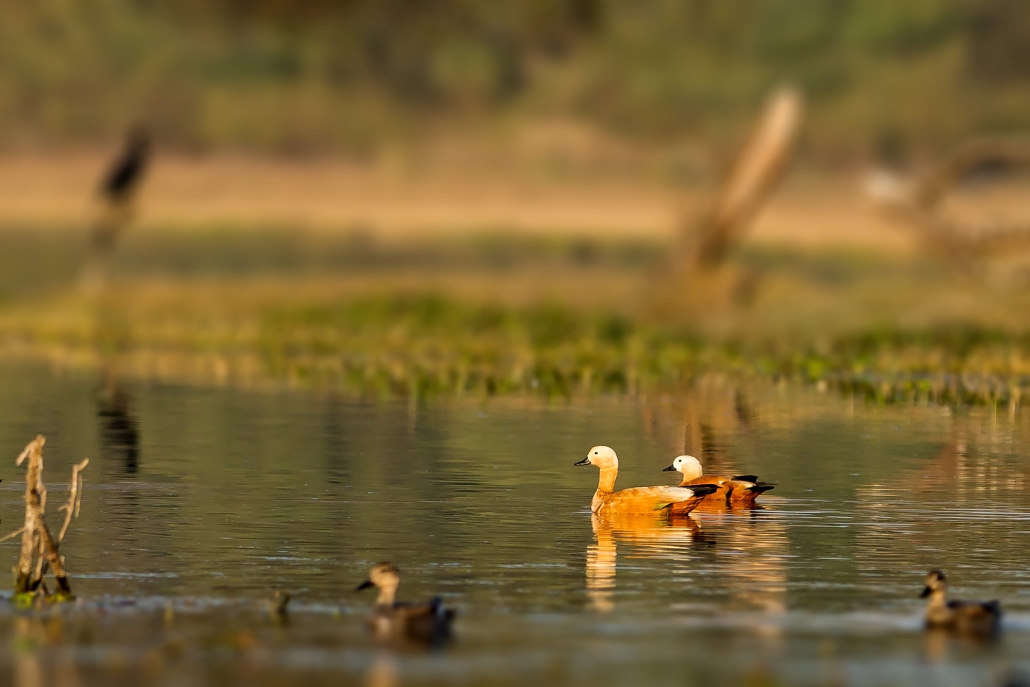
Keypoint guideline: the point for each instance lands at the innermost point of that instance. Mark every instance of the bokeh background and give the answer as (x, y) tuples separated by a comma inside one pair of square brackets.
[(416, 197), (354, 77)]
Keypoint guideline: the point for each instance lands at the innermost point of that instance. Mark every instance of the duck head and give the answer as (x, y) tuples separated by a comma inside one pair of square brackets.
[(688, 465), (601, 456), (386, 578), (936, 583)]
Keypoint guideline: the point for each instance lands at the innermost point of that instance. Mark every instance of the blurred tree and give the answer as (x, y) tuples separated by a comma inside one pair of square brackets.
[(315, 74), (999, 39)]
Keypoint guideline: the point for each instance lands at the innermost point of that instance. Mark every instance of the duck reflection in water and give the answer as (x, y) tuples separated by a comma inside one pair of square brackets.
[(655, 535), (119, 434)]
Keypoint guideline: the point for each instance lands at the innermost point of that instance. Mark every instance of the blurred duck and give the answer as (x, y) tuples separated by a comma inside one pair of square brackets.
[(742, 489), (971, 618), (424, 623), (639, 499)]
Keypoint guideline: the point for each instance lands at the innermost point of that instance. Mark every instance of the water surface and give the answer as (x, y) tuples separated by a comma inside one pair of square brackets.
[(199, 502)]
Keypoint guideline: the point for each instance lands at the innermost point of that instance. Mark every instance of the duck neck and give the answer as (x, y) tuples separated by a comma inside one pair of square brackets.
[(938, 599), (387, 595), (690, 474), (605, 487)]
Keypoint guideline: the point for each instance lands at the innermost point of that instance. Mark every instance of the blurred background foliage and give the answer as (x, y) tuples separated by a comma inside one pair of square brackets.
[(350, 75)]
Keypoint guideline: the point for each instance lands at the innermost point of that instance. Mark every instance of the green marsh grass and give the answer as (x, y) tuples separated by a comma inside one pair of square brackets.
[(496, 315)]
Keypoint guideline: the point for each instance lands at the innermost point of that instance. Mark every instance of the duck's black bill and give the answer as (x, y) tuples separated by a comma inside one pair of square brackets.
[(585, 461), (926, 592), (364, 585), (671, 468)]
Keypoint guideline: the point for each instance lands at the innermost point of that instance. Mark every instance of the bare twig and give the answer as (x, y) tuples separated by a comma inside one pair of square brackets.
[(71, 509)]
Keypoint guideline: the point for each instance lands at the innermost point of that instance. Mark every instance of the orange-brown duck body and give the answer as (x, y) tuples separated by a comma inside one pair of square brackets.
[(427, 624), (739, 490), (638, 499)]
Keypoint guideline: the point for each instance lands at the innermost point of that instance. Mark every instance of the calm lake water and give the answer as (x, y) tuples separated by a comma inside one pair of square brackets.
[(229, 494)]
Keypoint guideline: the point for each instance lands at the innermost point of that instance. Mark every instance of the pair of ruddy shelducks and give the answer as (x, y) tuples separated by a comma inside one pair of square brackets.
[(695, 488)]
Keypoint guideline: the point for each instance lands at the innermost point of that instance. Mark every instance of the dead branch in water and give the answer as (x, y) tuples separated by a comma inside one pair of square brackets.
[(36, 537)]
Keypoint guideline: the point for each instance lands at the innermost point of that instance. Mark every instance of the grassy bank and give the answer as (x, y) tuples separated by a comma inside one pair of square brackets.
[(505, 315), (421, 344)]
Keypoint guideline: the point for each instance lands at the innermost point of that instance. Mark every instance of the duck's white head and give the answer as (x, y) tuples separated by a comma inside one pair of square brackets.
[(688, 465), (602, 457)]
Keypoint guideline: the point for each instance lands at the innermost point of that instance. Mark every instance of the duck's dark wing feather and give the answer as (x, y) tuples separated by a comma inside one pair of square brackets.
[(976, 608)]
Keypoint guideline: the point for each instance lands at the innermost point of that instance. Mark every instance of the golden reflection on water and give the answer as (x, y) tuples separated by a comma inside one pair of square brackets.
[(758, 577), (651, 536), (382, 672), (28, 667), (32, 636)]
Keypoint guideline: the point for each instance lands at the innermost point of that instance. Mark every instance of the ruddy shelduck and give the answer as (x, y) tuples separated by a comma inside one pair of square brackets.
[(638, 499), (971, 618), (743, 489), (425, 623)]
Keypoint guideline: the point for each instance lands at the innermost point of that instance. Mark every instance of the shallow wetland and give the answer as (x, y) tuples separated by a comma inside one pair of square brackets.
[(228, 494)]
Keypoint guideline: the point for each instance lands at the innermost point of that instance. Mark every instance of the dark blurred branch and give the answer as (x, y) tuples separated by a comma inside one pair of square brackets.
[(918, 202)]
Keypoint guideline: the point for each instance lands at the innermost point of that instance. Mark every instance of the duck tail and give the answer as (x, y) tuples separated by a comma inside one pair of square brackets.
[(760, 488), (439, 611)]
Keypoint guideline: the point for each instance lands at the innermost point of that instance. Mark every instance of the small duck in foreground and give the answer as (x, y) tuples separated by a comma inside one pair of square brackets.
[(424, 623), (742, 489), (606, 500), (971, 618)]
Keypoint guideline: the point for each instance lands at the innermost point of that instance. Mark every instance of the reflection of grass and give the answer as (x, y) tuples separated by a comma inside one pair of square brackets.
[(493, 316)]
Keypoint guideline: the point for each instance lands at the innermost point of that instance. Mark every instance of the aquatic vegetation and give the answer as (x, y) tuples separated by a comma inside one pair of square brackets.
[(494, 315), (425, 343)]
